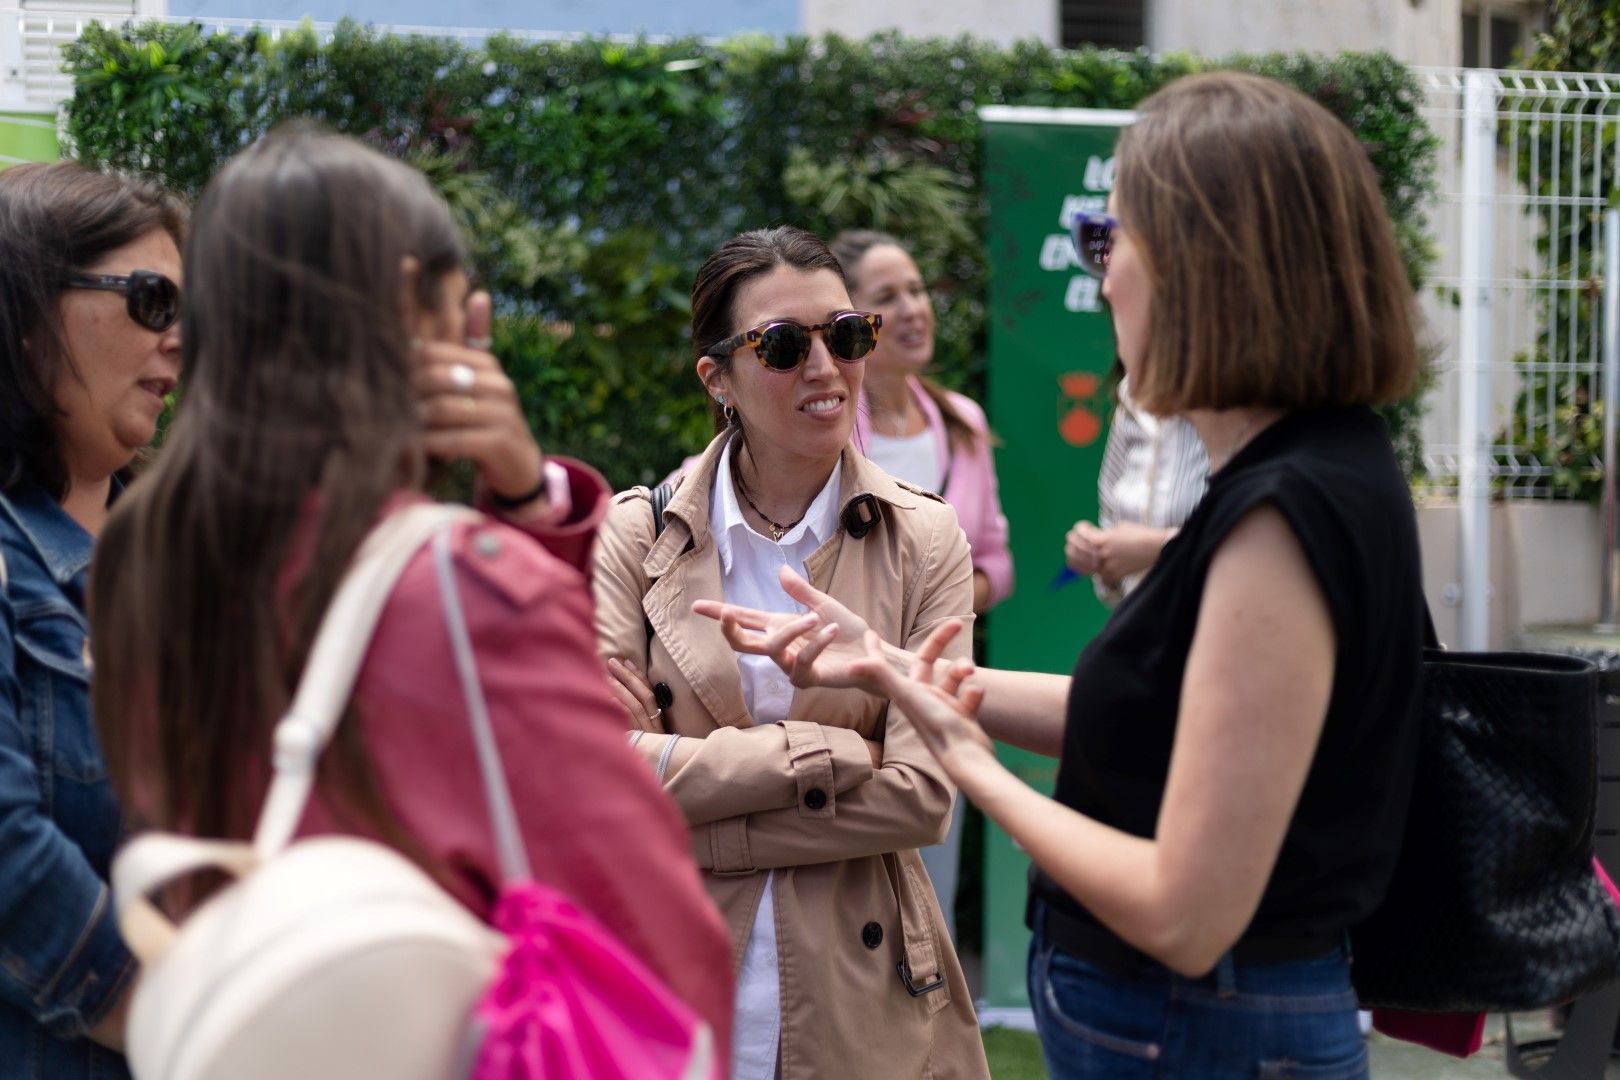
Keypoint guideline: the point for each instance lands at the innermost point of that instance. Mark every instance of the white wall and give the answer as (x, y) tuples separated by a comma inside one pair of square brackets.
[(1546, 561), (1003, 21), (1427, 33)]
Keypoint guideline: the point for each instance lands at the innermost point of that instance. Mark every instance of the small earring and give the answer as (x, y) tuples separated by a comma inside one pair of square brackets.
[(721, 398), (730, 413)]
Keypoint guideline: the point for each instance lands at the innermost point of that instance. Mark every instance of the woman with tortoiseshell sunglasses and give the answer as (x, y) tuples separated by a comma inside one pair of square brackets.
[(806, 806)]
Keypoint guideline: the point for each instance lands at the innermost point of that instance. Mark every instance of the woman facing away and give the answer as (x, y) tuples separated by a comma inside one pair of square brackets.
[(89, 346), (806, 808), (323, 367), (1237, 744)]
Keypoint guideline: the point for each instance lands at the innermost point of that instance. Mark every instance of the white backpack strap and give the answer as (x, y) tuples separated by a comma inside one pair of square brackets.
[(334, 662), (502, 815), (153, 860)]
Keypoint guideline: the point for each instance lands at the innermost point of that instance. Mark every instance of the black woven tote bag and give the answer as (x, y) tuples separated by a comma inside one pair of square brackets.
[(1494, 905)]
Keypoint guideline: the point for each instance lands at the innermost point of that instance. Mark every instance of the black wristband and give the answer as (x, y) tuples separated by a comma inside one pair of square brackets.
[(501, 502)]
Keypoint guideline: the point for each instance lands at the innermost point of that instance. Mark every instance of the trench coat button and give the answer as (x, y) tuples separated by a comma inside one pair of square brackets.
[(663, 695), (872, 935), (488, 545), (815, 798)]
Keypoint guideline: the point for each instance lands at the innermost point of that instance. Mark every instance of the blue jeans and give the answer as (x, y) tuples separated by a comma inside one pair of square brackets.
[(1295, 1019)]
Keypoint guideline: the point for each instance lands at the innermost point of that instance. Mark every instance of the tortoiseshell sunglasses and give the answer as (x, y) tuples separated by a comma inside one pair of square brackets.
[(784, 344)]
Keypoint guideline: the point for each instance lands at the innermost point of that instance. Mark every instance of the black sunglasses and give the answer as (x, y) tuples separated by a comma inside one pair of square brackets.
[(784, 345), (1093, 236), (152, 300)]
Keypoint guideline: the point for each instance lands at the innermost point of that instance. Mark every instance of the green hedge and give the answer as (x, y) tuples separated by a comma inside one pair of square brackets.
[(594, 176)]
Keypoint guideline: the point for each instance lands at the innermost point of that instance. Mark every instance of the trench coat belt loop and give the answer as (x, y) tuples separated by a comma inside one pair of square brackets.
[(920, 969)]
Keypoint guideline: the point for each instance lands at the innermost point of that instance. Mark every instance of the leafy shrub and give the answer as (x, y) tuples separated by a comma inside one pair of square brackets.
[(594, 176)]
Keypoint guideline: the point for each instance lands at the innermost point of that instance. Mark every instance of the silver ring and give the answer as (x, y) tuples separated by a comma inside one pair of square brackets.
[(482, 344), (462, 376)]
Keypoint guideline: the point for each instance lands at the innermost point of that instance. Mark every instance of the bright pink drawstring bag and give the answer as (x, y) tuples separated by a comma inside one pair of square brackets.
[(569, 1001)]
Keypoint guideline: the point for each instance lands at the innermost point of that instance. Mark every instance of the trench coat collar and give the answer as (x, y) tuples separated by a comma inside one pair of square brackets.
[(687, 515)]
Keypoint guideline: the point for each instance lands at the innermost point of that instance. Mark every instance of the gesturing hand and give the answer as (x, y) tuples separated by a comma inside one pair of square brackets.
[(942, 706), (819, 648), (828, 646)]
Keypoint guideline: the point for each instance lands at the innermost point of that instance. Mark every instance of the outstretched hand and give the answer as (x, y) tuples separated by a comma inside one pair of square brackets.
[(820, 648), (827, 645), (941, 704)]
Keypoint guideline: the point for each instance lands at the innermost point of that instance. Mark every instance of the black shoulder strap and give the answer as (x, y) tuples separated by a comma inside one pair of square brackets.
[(659, 497)]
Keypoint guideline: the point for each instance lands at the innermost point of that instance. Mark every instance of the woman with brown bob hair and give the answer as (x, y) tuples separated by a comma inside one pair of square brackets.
[(332, 350), (1237, 744)]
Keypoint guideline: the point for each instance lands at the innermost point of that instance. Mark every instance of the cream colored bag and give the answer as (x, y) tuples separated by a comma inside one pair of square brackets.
[(331, 957)]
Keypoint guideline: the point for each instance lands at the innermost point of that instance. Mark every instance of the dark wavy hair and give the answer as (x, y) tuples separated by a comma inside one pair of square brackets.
[(299, 423), (56, 219), (734, 264)]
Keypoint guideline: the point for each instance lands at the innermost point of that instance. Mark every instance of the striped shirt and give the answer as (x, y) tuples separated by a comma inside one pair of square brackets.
[(1154, 471)]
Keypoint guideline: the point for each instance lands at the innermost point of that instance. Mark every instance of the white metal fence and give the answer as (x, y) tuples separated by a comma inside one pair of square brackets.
[(1518, 226), (1528, 164)]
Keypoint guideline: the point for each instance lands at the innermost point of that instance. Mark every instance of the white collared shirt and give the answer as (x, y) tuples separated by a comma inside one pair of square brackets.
[(749, 564), (912, 458)]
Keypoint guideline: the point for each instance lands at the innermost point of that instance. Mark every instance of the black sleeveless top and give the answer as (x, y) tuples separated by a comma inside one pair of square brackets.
[(1333, 476)]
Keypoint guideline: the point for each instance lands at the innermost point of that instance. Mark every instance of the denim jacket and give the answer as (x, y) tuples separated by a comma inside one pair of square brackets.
[(62, 963)]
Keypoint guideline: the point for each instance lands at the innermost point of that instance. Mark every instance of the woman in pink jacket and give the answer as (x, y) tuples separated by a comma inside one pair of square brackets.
[(911, 426), (331, 350)]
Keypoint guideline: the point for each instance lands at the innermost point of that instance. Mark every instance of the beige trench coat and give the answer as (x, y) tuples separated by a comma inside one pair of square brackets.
[(870, 983)]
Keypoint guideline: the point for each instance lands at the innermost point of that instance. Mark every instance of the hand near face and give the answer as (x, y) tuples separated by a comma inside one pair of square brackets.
[(471, 410)]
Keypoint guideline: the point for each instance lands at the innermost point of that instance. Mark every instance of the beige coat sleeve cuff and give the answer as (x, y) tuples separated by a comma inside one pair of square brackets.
[(740, 771)]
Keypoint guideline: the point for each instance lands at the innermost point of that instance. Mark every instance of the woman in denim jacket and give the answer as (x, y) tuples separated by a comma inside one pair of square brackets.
[(89, 348)]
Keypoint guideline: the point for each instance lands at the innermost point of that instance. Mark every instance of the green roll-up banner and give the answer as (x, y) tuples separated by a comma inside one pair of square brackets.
[(1051, 345)]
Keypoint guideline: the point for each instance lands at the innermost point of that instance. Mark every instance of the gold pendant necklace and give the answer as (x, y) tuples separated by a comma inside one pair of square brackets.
[(777, 530)]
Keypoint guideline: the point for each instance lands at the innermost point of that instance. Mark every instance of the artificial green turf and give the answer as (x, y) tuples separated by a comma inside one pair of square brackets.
[(1014, 1055)]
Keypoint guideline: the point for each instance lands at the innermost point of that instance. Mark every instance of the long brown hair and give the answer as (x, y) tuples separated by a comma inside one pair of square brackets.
[(850, 247), (56, 219), (298, 424), (1275, 274)]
